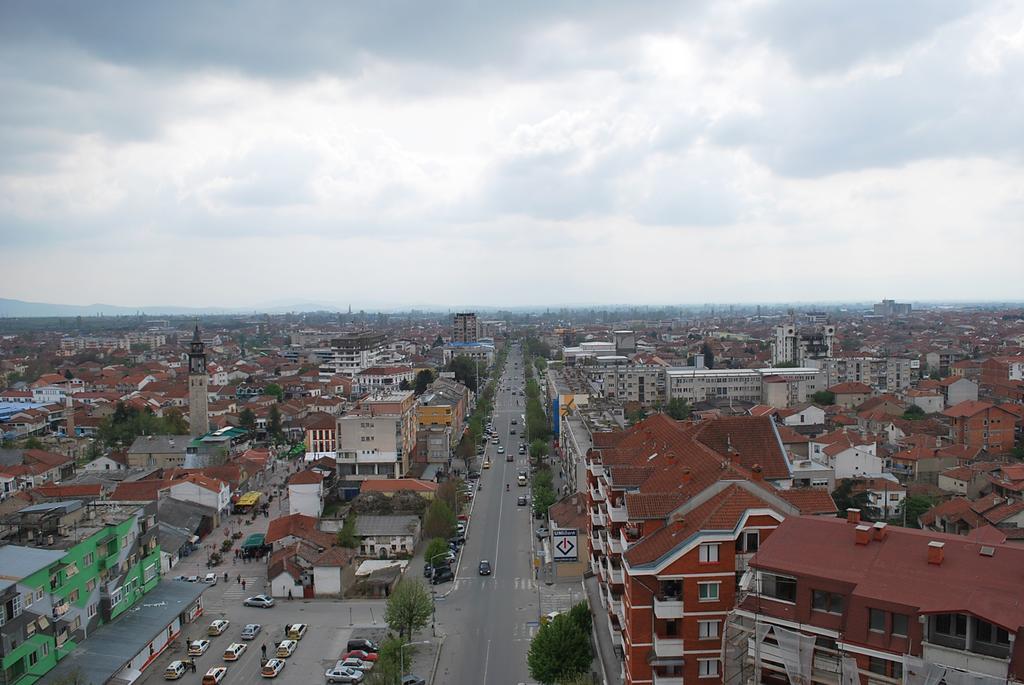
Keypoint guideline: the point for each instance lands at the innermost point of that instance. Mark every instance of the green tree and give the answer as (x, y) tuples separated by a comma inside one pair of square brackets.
[(404, 385), (539, 449), (914, 507), (824, 397), (438, 341), (845, 498), (439, 521), (423, 379), (465, 371), (174, 422), (32, 443), (387, 668), (559, 650), (274, 390), (580, 615), (914, 413), (274, 423), (678, 409), (436, 550), (1017, 452), (347, 535), (408, 608), (448, 492), (247, 420), (709, 356)]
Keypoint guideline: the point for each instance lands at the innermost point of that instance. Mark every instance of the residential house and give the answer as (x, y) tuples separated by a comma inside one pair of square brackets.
[(957, 389), (389, 486), (849, 454), (387, 536), (158, 450), (377, 438), (984, 425), (851, 394), (306, 493)]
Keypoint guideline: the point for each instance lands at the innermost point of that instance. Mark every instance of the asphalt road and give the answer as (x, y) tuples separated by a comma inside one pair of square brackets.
[(489, 620)]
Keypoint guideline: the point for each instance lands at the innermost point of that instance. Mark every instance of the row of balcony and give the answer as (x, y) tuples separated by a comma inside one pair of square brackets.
[(667, 679)]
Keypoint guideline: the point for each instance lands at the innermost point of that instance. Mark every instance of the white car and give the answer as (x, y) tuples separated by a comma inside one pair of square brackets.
[(261, 601), (198, 647), (215, 675), (218, 627), (342, 674), (354, 663), (272, 668), (251, 630), (234, 650), (286, 648), (210, 578)]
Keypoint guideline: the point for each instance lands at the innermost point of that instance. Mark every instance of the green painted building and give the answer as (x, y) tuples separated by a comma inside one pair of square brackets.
[(74, 567)]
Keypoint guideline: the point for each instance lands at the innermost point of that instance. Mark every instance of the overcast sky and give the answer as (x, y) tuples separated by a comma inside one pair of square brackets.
[(401, 153)]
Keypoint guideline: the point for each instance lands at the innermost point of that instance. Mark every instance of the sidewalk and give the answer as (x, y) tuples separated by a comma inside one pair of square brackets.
[(611, 667)]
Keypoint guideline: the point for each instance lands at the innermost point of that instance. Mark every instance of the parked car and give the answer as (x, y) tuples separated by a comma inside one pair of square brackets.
[(485, 568), (286, 648), (251, 630), (272, 668), (501, 449), (234, 650), (296, 631), (442, 575), (363, 644), (218, 626), (340, 674), (215, 675), (473, 475), (360, 654), (541, 532), (210, 578), (521, 500), (174, 670), (356, 664), (260, 601), (198, 647), (413, 680)]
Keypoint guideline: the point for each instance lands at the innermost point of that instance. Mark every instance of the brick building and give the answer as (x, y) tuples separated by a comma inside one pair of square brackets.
[(983, 425)]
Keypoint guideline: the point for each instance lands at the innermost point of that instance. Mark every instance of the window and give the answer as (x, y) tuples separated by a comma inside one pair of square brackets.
[(778, 587), (709, 554), (90, 585), (990, 634), (46, 649), (748, 542), (73, 597), (89, 558), (827, 601), (952, 625), (707, 592), (90, 610), (708, 629), (115, 597), (878, 666), (900, 622), (876, 620), (707, 668), (27, 601), (32, 659)]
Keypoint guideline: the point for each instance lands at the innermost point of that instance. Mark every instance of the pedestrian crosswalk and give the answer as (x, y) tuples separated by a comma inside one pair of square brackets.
[(234, 590), (524, 632)]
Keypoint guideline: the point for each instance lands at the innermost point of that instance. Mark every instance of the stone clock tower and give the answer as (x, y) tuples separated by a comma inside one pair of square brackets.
[(198, 399)]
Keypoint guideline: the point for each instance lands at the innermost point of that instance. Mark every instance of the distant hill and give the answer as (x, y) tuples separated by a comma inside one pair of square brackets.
[(20, 308)]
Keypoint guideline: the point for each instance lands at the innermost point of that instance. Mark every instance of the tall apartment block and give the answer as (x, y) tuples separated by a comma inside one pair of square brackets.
[(800, 346), (465, 327)]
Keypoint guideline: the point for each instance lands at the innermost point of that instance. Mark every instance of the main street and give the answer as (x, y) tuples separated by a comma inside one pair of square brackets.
[(489, 620)]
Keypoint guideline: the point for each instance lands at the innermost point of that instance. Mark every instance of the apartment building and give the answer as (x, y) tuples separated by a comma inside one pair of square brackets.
[(800, 345), (883, 374), (779, 388), (441, 419), (1004, 377), (352, 353), (69, 568), (640, 383), (983, 425), (377, 438), (675, 511), (465, 327), (321, 437), (838, 601)]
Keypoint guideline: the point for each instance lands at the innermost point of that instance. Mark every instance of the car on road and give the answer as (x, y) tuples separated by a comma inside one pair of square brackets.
[(188, 579), (210, 578), (343, 675), (501, 449), (495, 441), (251, 630), (260, 601), (473, 475), (174, 670), (460, 536), (218, 626), (521, 500), (363, 644), (549, 617), (514, 422), (354, 663), (297, 630), (413, 680), (509, 457), (442, 575), (286, 648), (360, 654), (541, 532), (198, 647), (215, 675), (234, 650), (272, 668), (487, 464), (485, 568), (521, 480)]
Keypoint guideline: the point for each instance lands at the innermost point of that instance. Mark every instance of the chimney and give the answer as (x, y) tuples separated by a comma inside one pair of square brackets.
[(687, 475), (732, 452), (862, 535), (676, 517), (935, 552), (853, 515), (758, 472), (881, 530)]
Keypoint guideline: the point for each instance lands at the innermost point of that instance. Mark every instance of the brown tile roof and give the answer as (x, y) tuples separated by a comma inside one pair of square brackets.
[(850, 388), (397, 485), (570, 512), (653, 505), (306, 478), (300, 526)]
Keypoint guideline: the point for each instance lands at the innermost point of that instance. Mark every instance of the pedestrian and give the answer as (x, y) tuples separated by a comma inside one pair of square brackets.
[(243, 584), (225, 576), (264, 650), (289, 594), (238, 578)]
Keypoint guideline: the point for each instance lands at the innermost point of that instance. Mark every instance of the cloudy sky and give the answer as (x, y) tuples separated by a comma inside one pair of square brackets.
[(401, 153)]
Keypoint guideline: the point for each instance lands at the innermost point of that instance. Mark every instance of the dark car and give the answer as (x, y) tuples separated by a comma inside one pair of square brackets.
[(473, 475), (521, 500), (457, 539), (427, 570), (485, 568), (365, 645), (413, 680), (442, 575)]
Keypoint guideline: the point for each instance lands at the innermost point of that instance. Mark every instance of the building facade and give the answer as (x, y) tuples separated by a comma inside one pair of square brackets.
[(465, 327), (377, 438), (198, 380), (794, 345)]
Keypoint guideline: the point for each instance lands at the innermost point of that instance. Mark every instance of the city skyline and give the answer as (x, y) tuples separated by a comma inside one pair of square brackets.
[(762, 151)]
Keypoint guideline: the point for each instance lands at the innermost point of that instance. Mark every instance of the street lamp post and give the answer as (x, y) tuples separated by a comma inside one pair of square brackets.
[(401, 657)]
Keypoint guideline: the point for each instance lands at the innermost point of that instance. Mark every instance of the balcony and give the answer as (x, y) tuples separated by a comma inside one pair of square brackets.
[(614, 573), (597, 543), (597, 518), (825, 665), (965, 660), (615, 544), (597, 494), (628, 539), (668, 679), (668, 646), (616, 514), (668, 607), (595, 469)]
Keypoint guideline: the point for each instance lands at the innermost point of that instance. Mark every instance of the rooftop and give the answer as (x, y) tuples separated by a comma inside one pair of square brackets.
[(20, 562)]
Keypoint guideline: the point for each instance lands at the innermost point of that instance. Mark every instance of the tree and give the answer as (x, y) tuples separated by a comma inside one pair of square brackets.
[(448, 492), (404, 385), (274, 423), (580, 615), (438, 341), (436, 550), (539, 449), (1017, 452), (845, 499), (423, 379), (274, 390), (439, 521), (465, 371), (386, 668), (914, 507), (347, 534), (913, 413), (33, 443), (408, 608), (68, 374), (678, 409), (558, 651), (247, 420), (174, 422), (824, 397)]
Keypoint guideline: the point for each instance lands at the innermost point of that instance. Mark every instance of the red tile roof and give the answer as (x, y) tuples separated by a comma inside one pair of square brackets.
[(850, 388), (300, 526), (306, 478), (397, 485)]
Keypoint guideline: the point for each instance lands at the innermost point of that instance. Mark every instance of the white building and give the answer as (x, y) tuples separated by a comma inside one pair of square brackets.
[(209, 492), (352, 353), (306, 494), (849, 455), (800, 345), (387, 536), (481, 352), (377, 439)]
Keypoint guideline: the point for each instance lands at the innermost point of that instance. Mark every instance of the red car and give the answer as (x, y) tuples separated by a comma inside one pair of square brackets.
[(360, 654)]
